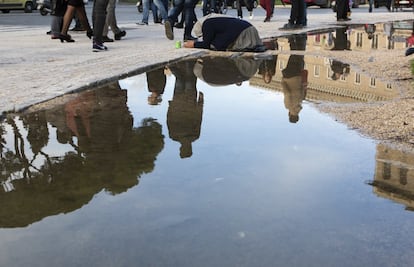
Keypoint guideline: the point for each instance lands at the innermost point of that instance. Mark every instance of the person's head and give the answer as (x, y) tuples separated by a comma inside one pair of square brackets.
[(335, 76), (293, 118), (267, 77), (154, 98)]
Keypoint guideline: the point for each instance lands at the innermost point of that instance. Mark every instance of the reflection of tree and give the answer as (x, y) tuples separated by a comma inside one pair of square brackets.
[(109, 154)]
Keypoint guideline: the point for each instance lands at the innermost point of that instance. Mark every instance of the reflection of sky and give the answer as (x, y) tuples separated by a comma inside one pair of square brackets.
[(257, 191)]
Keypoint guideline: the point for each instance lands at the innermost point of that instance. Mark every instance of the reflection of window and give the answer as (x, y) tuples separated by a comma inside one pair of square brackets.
[(390, 43), (316, 70), (359, 39), (281, 65), (372, 82), (386, 172), (389, 86), (374, 42), (328, 73), (343, 77), (403, 176), (357, 78)]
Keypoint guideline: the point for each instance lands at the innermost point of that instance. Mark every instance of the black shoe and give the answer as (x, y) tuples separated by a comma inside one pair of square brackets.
[(119, 35), (106, 39), (267, 19), (142, 23), (169, 30), (89, 34), (49, 32), (179, 25), (66, 37)]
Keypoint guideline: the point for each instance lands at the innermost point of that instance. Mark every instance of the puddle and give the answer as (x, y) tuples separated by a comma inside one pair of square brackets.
[(205, 164)]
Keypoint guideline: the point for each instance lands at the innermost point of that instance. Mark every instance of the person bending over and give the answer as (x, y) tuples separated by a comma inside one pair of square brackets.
[(225, 33)]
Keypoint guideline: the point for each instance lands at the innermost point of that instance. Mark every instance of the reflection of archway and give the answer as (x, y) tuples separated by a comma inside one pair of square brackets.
[(108, 155)]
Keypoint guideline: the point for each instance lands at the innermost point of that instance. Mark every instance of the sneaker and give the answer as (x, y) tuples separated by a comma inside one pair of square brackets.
[(119, 35), (106, 39), (189, 38), (169, 30), (142, 23), (98, 47)]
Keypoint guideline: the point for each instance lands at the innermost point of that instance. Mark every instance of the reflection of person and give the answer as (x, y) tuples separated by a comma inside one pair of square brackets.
[(156, 81), (225, 33), (294, 79), (218, 71), (185, 110), (268, 68), (341, 40), (370, 30), (338, 69)]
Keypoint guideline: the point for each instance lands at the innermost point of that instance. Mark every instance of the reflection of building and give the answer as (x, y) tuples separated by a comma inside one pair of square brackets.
[(351, 86), (394, 175)]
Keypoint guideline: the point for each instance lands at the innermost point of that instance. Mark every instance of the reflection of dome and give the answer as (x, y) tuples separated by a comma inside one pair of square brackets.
[(219, 71)]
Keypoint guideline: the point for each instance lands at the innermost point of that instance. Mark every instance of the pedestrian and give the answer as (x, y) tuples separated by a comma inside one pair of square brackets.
[(111, 22), (342, 10), (79, 7), (58, 9), (297, 19), (98, 19), (269, 6), (148, 5), (187, 8), (249, 6), (225, 33)]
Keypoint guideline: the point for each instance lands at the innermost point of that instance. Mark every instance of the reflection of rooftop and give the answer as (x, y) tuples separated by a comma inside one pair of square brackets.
[(394, 175)]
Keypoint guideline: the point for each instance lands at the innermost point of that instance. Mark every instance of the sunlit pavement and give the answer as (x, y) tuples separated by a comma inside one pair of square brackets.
[(35, 68)]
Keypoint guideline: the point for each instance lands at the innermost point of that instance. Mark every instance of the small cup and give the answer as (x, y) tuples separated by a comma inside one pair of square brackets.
[(178, 44)]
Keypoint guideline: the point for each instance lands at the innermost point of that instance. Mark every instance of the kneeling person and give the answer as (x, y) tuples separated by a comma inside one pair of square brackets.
[(224, 33)]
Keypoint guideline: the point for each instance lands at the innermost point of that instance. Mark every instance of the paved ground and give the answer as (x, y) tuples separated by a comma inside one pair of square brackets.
[(35, 68)]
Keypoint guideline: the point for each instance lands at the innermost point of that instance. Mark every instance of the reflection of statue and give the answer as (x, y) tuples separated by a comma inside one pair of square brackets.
[(185, 110), (218, 71), (110, 155), (294, 80), (156, 81), (268, 68)]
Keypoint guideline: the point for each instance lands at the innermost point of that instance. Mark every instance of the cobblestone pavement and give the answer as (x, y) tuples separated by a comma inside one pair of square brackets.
[(35, 68)]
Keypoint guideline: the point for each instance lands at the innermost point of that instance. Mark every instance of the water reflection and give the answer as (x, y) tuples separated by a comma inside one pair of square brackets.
[(185, 110), (394, 175), (103, 151), (294, 78), (356, 37), (246, 188)]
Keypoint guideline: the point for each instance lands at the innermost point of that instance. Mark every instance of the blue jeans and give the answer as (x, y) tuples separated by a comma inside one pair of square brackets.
[(161, 7), (146, 6), (189, 15)]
